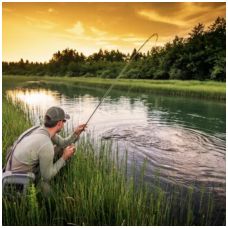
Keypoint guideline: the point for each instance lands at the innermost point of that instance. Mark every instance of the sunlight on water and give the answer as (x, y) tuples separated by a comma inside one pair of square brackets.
[(33, 97), (37, 101)]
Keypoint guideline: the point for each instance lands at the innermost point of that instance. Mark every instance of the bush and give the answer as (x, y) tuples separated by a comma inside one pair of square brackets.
[(72, 66), (49, 73), (105, 74), (161, 74), (70, 74), (132, 73), (99, 73), (89, 75), (42, 73)]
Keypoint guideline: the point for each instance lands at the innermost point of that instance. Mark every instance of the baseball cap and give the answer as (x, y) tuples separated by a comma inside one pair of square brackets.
[(56, 114)]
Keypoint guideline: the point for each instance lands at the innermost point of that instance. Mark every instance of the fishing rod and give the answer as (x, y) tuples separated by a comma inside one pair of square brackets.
[(140, 70), (110, 88)]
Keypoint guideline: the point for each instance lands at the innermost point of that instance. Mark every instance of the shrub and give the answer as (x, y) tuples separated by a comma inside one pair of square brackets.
[(89, 75)]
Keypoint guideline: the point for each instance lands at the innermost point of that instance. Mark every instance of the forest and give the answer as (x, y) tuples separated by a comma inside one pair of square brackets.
[(200, 56)]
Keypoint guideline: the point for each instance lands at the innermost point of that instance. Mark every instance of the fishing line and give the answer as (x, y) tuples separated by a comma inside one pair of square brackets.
[(110, 88)]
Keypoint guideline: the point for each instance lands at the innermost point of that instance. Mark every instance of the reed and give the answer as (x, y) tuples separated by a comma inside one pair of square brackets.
[(15, 120), (93, 189)]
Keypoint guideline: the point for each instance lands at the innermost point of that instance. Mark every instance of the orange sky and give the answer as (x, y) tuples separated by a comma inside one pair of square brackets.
[(35, 31)]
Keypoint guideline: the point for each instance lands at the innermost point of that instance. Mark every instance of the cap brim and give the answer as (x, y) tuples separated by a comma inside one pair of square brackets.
[(67, 116)]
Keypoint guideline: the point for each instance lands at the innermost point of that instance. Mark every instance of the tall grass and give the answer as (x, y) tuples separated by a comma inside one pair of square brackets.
[(92, 190), (14, 122), (197, 89)]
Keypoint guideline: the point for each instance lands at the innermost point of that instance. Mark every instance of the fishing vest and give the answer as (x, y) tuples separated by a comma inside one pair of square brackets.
[(11, 149)]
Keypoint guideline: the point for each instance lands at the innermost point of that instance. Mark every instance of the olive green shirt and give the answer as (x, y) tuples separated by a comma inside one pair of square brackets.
[(37, 149)]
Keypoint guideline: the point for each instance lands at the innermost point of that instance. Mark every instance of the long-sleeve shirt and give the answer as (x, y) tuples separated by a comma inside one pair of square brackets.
[(37, 149)]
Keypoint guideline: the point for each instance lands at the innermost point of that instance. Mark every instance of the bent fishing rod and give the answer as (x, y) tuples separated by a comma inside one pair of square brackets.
[(110, 88)]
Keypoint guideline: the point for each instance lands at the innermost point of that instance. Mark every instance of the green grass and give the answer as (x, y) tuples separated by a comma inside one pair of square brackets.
[(93, 189), (14, 122), (197, 89)]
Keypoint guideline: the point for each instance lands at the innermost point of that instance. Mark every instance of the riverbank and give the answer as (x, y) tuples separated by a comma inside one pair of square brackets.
[(195, 89), (92, 190)]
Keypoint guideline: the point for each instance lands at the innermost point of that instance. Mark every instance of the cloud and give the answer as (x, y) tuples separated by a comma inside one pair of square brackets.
[(154, 16), (42, 12), (30, 19), (7, 10), (109, 47), (133, 39), (52, 11), (15, 14), (95, 36), (50, 23), (97, 39), (40, 24), (43, 26), (101, 42), (204, 16), (64, 36), (186, 14), (98, 32), (100, 21), (106, 6), (78, 29)]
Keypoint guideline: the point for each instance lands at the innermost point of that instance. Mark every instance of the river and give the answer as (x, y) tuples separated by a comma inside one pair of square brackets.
[(185, 137)]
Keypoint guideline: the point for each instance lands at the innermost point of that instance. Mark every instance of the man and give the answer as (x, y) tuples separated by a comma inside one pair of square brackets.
[(36, 152)]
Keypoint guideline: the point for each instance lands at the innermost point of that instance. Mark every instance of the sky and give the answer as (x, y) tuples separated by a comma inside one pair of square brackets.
[(35, 31)]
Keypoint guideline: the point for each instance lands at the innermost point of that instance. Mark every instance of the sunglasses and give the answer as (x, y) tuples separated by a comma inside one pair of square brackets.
[(64, 121)]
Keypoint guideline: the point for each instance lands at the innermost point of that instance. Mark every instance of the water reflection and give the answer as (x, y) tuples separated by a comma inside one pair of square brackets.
[(33, 98)]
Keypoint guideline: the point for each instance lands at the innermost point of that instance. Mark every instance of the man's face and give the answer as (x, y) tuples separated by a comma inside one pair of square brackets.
[(61, 125)]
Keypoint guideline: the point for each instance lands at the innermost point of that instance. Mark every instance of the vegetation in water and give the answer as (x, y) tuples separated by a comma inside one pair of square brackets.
[(94, 189), (201, 56)]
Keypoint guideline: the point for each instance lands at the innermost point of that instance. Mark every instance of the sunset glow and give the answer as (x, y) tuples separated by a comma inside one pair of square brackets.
[(33, 98), (35, 31)]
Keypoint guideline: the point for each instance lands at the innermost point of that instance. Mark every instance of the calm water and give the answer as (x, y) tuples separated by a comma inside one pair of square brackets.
[(185, 137)]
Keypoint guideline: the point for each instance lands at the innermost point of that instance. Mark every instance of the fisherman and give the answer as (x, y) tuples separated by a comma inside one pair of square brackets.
[(36, 151)]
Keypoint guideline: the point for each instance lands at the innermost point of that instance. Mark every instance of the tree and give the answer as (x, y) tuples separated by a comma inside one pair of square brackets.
[(137, 56), (201, 56), (21, 64)]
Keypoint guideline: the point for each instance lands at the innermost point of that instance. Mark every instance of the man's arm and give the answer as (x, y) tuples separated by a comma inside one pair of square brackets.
[(63, 142), (47, 168)]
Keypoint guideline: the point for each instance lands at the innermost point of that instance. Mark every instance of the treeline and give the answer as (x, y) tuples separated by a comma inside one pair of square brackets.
[(200, 56)]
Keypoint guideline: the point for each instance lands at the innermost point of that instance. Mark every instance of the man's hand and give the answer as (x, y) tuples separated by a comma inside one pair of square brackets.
[(68, 152), (79, 129)]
